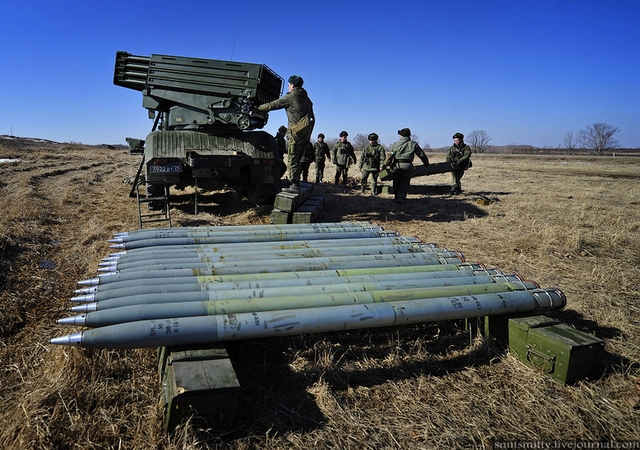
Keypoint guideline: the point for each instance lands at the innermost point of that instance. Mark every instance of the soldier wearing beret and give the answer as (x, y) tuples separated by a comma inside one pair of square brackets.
[(404, 151), (459, 156), (299, 110), (342, 154), (322, 151), (373, 155)]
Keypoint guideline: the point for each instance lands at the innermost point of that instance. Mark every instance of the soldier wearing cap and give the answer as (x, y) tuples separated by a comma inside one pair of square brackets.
[(459, 156), (372, 156), (299, 107), (321, 150), (342, 154), (404, 151)]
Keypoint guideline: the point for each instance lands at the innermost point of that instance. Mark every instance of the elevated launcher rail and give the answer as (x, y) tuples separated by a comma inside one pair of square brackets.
[(199, 94)]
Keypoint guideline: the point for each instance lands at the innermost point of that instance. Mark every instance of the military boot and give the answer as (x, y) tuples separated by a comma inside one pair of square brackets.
[(294, 188)]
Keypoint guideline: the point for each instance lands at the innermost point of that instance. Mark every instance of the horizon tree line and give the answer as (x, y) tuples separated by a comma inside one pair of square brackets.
[(597, 138)]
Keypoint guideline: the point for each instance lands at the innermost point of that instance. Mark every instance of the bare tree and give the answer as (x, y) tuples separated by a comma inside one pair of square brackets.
[(359, 142), (331, 142), (599, 137), (570, 141), (415, 138), (478, 140)]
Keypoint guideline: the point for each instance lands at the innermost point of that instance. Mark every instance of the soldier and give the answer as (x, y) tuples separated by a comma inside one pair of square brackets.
[(280, 141), (459, 155), (282, 146), (322, 151), (342, 154), (301, 121), (308, 155), (404, 150), (372, 156)]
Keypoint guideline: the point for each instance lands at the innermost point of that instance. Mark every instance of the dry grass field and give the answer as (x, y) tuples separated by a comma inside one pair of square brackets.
[(569, 222)]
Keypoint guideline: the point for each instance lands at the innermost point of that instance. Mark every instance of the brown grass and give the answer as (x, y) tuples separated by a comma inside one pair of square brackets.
[(570, 222)]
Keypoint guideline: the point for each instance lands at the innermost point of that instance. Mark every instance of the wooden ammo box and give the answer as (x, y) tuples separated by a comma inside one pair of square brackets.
[(198, 382), (564, 353)]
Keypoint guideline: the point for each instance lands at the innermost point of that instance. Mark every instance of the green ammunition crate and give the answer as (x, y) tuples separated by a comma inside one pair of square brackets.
[(566, 354), (289, 202), (497, 327), (279, 217), (309, 210), (198, 382)]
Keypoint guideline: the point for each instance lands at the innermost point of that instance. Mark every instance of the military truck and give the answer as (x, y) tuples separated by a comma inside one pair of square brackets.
[(205, 121)]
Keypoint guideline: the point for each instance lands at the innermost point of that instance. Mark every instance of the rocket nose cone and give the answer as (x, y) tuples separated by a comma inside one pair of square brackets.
[(75, 320), (70, 339), (87, 307)]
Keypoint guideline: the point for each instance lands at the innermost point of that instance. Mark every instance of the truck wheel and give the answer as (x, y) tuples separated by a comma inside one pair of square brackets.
[(260, 193)]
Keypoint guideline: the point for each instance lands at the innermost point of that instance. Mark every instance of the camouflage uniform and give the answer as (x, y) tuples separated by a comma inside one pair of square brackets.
[(460, 158), (280, 140), (405, 150), (322, 151), (282, 146), (342, 154), (308, 155), (372, 156), (297, 104)]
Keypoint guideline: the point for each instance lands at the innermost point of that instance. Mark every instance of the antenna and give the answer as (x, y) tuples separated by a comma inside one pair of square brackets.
[(233, 48)]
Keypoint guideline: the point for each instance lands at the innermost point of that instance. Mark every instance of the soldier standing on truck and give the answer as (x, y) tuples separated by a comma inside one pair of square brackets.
[(459, 155), (373, 155), (342, 154), (322, 151), (301, 119), (403, 151)]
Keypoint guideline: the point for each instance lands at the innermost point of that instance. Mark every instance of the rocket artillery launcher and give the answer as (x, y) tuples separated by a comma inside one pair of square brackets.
[(204, 122)]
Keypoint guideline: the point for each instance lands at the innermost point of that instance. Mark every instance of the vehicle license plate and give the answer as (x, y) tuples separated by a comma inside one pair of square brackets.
[(165, 169)]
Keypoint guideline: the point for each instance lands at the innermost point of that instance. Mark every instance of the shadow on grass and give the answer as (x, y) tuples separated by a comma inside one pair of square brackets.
[(275, 374)]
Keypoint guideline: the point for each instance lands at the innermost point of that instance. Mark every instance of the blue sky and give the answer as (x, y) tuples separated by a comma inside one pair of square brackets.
[(526, 72)]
